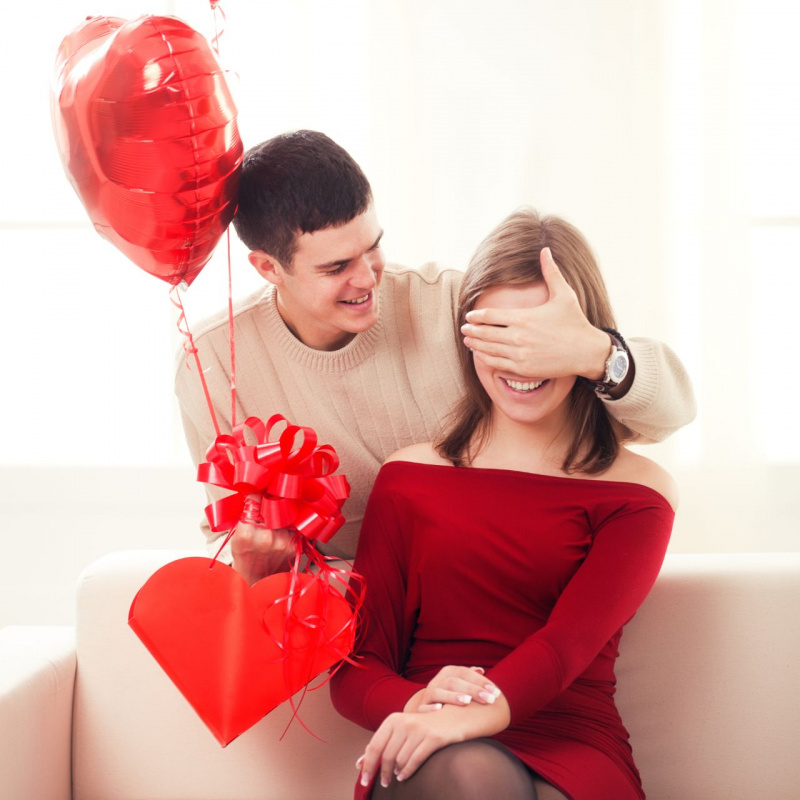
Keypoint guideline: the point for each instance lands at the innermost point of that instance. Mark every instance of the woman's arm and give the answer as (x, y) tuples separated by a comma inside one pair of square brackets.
[(369, 692), (603, 595)]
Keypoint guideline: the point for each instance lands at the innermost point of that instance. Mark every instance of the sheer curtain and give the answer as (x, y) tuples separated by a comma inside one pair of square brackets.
[(665, 130)]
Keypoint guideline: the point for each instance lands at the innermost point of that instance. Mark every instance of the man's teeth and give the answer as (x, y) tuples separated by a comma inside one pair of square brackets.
[(524, 386), (358, 301)]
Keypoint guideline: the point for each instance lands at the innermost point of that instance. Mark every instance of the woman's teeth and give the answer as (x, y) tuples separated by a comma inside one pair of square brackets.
[(358, 301), (523, 386)]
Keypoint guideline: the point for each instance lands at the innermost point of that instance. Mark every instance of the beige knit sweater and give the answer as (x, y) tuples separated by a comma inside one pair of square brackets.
[(388, 388)]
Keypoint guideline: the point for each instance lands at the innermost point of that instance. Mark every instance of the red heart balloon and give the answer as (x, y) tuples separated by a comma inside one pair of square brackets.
[(146, 130), (236, 652)]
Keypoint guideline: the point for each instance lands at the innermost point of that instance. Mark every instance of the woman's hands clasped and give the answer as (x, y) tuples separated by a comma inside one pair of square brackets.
[(459, 703), (457, 686)]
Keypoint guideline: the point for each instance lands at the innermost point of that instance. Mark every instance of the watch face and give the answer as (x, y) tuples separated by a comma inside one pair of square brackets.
[(619, 367)]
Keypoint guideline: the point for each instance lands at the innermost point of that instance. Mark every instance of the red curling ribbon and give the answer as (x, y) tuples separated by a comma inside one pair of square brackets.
[(296, 483), (313, 630)]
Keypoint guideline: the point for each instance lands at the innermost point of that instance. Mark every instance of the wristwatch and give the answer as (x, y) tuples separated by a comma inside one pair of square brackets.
[(617, 364)]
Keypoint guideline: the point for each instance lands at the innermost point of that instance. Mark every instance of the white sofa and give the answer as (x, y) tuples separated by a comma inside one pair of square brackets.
[(708, 680)]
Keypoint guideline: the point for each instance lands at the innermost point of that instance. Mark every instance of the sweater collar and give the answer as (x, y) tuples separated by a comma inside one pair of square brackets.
[(353, 353)]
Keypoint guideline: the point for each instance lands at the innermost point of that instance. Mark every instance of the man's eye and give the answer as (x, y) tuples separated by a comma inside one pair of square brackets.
[(337, 270)]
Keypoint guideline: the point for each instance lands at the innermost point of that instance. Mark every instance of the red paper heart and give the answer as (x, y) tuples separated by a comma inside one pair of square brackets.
[(229, 648), (146, 129)]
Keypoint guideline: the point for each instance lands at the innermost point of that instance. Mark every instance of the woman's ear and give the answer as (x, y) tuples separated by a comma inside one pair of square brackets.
[(267, 266)]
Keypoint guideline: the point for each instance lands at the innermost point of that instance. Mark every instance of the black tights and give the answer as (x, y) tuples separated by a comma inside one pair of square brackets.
[(472, 770)]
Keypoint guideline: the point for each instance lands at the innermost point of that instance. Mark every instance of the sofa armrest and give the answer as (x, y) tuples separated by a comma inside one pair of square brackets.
[(37, 680)]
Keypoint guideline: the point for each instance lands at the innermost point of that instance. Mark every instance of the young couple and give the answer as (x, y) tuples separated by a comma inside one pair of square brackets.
[(509, 536)]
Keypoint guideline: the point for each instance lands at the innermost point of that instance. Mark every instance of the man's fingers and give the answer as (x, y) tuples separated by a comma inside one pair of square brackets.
[(501, 317), (491, 333), (488, 348), (497, 362), (551, 273)]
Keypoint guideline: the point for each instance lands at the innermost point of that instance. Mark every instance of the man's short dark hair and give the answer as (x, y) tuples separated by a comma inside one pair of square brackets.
[(297, 183)]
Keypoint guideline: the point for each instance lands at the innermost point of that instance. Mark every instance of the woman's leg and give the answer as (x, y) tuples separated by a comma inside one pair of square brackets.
[(473, 770), (544, 791)]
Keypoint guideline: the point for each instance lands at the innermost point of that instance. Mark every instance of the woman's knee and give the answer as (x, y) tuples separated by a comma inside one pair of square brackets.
[(472, 770)]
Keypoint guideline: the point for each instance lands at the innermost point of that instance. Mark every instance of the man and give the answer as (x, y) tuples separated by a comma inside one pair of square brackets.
[(365, 353)]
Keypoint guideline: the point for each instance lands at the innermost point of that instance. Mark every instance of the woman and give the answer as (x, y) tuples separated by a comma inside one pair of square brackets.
[(502, 562)]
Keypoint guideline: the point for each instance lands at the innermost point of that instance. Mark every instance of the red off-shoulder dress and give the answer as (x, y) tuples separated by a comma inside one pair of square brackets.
[(531, 577)]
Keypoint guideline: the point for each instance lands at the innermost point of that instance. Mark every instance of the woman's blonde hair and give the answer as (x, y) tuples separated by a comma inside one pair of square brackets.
[(509, 256)]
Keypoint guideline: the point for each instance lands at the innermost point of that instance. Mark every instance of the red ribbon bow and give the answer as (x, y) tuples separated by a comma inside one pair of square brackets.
[(297, 486)]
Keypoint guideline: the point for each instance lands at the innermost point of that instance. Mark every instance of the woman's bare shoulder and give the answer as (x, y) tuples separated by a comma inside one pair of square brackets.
[(420, 453), (633, 468)]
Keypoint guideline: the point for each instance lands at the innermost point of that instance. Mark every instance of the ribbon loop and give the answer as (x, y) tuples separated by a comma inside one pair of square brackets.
[(293, 475)]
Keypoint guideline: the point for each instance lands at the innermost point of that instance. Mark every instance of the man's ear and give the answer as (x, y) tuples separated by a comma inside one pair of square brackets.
[(267, 266)]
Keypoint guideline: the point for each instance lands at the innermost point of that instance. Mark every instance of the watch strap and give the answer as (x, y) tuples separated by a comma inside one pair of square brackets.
[(617, 342)]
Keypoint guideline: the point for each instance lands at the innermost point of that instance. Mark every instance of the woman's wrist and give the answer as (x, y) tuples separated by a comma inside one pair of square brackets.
[(413, 702), (477, 720)]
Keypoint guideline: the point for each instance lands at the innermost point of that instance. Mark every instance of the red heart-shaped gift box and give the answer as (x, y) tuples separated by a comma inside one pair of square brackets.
[(234, 651)]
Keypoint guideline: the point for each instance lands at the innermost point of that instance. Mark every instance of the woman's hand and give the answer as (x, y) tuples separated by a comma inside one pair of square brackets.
[(454, 686), (405, 740)]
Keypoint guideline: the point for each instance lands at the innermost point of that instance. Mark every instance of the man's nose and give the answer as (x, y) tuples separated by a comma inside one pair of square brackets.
[(364, 275)]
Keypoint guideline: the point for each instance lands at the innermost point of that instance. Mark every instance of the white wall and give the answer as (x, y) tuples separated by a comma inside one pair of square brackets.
[(664, 130)]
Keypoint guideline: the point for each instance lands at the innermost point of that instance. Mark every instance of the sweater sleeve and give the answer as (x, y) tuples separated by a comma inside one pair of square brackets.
[(661, 399), (605, 592), (369, 692)]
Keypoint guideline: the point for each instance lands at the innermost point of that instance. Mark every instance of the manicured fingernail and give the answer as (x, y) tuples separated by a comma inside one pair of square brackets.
[(479, 669), (400, 777), (384, 782), (463, 698), (495, 690), (486, 697), (365, 779), (359, 762), (437, 706)]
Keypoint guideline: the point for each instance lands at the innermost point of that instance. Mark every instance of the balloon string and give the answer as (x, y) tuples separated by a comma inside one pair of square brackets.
[(230, 329), (218, 31), (215, 6), (190, 349)]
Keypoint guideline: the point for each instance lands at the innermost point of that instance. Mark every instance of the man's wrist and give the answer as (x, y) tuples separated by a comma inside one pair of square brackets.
[(599, 352), (619, 368)]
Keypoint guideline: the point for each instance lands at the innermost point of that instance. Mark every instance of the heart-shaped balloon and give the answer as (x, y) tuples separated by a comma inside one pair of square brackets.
[(146, 129), (234, 651)]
